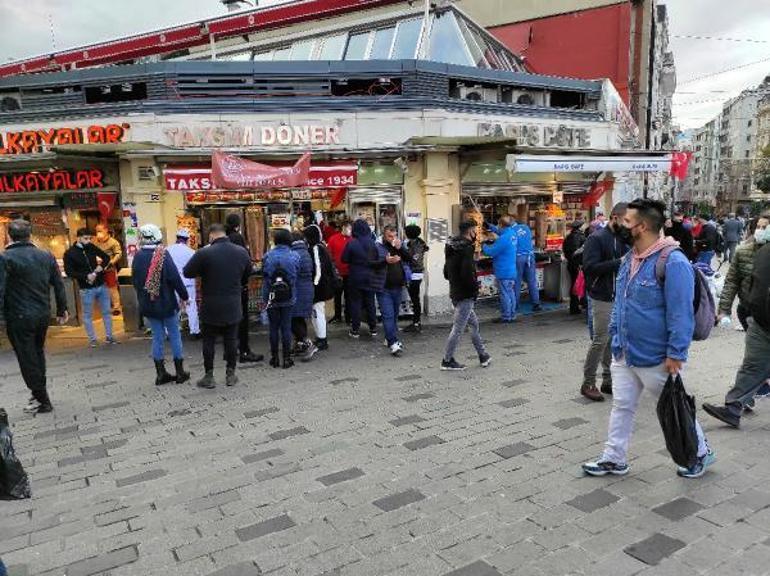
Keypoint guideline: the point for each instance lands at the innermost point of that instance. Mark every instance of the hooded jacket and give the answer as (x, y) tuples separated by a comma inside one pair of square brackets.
[(503, 253), (363, 258), (285, 258), (460, 269), (171, 285), (682, 235), (602, 254), (323, 268), (303, 287), (738, 279), (759, 297)]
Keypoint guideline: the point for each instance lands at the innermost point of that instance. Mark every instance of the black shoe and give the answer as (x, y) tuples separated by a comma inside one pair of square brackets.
[(322, 343), (288, 362), (606, 389), (231, 379), (44, 408), (452, 365), (275, 362), (181, 375), (207, 381), (722, 413), (416, 328), (250, 357), (161, 376), (335, 320), (537, 308), (485, 360), (353, 334)]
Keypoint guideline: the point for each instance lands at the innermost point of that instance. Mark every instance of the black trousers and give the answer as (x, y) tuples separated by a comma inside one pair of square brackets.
[(229, 335), (339, 295), (414, 296), (243, 327), (299, 328), (28, 341), (280, 330), (574, 301), (362, 299)]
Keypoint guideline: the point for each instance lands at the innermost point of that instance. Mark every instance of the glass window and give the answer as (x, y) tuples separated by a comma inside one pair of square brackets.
[(446, 43), (261, 56), (476, 48), (282, 53), (407, 38), (357, 47), (383, 39), (332, 47), (239, 57), (302, 50)]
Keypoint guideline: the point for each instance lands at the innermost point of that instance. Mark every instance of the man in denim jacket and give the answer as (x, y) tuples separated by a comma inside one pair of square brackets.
[(650, 329)]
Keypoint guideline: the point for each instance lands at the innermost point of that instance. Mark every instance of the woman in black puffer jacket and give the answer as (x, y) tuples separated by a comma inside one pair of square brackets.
[(323, 282)]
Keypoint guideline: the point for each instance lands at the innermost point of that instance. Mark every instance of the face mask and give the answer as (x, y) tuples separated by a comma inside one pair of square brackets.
[(762, 236), (626, 234)]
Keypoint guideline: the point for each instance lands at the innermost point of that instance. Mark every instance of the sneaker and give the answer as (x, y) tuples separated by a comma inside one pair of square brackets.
[(93, 343), (452, 365), (416, 328), (485, 360), (396, 348), (112, 341), (250, 357), (537, 308), (45, 408), (322, 343), (231, 378), (32, 406), (699, 468), (722, 413), (354, 334), (603, 468), (373, 332), (207, 382), (310, 351)]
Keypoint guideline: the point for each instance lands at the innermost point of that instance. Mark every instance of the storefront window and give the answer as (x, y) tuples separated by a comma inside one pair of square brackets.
[(382, 41), (332, 47), (446, 43), (357, 47), (407, 38), (302, 50)]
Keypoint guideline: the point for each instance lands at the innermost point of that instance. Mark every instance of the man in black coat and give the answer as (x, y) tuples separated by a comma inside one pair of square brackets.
[(26, 277), (222, 267), (572, 243), (233, 230), (682, 235), (460, 270), (602, 254)]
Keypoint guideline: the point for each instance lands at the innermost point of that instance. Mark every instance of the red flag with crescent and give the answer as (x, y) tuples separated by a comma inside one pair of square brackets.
[(232, 173), (105, 202), (598, 189)]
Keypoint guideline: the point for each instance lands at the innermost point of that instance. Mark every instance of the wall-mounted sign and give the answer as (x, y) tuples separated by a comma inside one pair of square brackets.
[(534, 163), (40, 140), (260, 196), (81, 201), (541, 136), (198, 178), (56, 180), (244, 136)]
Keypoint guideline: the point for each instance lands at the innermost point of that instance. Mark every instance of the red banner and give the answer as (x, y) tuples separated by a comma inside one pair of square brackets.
[(106, 202), (680, 162), (232, 173), (197, 178), (598, 189)]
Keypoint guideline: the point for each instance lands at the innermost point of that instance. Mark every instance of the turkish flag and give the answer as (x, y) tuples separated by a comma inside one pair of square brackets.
[(233, 173), (598, 189), (106, 202), (680, 163)]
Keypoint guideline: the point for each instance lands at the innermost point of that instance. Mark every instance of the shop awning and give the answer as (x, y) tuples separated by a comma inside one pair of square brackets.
[(587, 163)]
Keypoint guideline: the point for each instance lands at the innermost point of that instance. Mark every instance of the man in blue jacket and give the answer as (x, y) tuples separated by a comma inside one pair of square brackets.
[(503, 254), (525, 265), (651, 329)]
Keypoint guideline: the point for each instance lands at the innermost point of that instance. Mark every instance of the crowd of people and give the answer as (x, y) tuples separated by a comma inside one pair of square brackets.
[(640, 270)]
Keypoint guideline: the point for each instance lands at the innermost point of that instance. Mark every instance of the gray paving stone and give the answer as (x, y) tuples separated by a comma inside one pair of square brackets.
[(213, 500), (593, 500), (56, 432), (678, 509), (239, 569), (260, 412), (277, 524), (111, 406), (478, 568), (421, 443), (395, 501), (341, 476), (654, 549), (104, 562), (251, 458), (563, 341), (513, 402), (404, 420), (567, 423), (512, 450), (349, 380), (283, 434), (514, 382), (408, 378), (420, 396), (137, 478)]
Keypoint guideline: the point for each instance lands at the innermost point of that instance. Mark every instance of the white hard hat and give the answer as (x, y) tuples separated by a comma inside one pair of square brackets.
[(183, 233), (150, 233)]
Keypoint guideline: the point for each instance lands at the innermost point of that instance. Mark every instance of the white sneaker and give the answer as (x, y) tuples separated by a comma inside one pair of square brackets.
[(396, 348), (32, 406)]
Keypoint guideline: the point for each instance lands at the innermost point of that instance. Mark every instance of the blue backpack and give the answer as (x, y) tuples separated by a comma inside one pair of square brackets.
[(703, 302)]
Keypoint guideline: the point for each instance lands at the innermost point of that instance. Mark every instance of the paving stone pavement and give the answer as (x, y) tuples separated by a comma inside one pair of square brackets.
[(359, 464)]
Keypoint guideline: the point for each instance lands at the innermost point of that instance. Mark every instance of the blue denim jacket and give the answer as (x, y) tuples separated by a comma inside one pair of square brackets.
[(651, 322)]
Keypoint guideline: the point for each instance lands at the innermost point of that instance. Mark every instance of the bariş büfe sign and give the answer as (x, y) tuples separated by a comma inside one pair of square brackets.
[(40, 140), (198, 178), (57, 180)]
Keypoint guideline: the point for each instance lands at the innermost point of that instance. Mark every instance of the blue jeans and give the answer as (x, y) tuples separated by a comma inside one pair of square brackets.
[(526, 271), (160, 328), (507, 298), (88, 297), (390, 304), (705, 257), (280, 329)]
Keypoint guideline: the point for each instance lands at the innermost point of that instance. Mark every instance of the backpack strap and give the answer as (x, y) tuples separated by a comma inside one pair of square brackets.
[(660, 265)]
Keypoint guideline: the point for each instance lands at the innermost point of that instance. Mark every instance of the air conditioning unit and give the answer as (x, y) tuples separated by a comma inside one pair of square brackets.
[(526, 97), (10, 102), (479, 94)]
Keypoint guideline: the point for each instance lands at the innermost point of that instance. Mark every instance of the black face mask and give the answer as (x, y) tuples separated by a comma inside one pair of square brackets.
[(625, 235)]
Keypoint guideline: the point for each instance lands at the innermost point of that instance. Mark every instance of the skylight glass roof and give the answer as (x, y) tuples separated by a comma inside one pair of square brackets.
[(448, 36)]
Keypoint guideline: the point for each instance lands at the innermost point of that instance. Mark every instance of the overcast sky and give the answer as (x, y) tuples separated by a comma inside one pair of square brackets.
[(25, 31)]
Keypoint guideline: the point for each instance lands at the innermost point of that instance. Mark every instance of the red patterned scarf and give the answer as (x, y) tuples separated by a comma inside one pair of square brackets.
[(152, 284)]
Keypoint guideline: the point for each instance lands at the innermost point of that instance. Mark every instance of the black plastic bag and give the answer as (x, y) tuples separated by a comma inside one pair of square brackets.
[(676, 413), (14, 482)]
